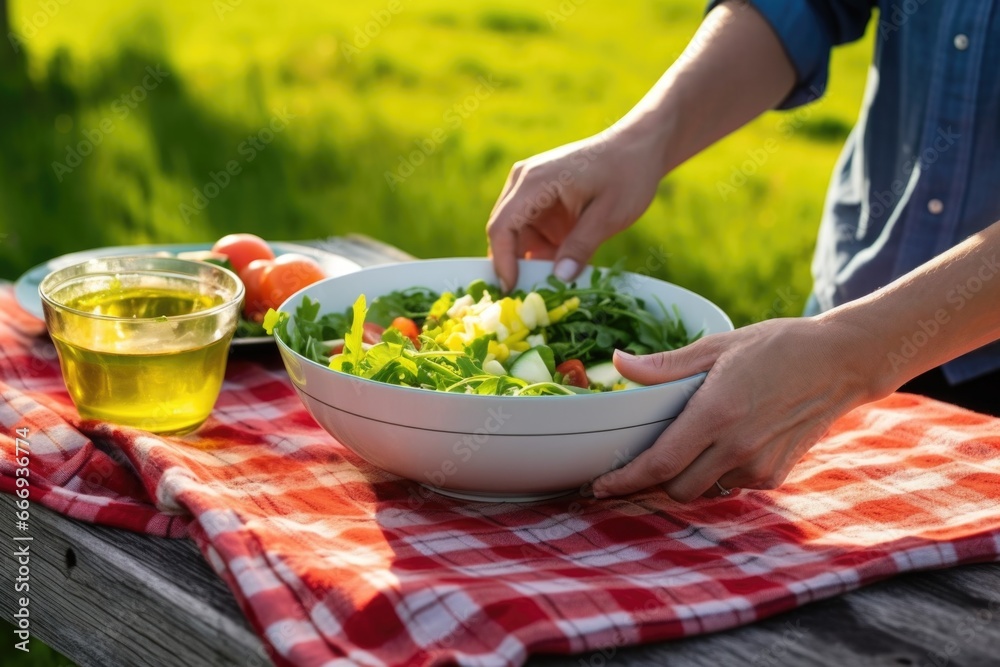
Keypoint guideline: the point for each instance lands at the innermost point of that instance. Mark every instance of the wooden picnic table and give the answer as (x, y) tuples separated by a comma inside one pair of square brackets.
[(106, 597)]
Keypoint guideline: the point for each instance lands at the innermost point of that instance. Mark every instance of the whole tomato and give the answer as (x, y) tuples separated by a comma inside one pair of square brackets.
[(241, 249)]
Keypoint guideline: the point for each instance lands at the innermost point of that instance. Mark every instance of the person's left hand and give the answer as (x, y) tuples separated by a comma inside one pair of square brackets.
[(772, 390)]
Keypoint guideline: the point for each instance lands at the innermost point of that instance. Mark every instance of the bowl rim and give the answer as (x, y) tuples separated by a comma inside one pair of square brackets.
[(284, 348), (235, 300)]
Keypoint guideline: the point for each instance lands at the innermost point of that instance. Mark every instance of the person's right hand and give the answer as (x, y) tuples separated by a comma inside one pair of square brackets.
[(562, 204)]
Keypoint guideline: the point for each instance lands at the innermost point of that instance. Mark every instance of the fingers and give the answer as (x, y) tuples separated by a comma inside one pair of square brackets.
[(502, 229), (534, 245), (583, 239), (512, 179), (715, 464), (503, 250), (674, 365), (684, 440), (510, 217), (680, 444)]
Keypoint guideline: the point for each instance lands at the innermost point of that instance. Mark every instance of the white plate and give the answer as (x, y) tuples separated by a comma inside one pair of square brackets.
[(26, 287)]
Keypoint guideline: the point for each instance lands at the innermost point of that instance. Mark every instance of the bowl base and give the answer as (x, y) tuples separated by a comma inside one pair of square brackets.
[(497, 497)]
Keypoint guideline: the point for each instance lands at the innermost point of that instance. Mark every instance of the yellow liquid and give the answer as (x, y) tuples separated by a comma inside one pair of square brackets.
[(132, 381)]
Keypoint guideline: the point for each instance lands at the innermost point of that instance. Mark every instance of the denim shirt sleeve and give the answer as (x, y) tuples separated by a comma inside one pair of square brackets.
[(808, 30)]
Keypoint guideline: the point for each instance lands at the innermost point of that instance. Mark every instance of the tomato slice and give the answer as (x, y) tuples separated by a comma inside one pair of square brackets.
[(408, 328), (574, 374), (373, 334)]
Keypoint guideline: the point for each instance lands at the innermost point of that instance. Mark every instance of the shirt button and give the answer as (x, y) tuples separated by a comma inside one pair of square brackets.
[(935, 206), (961, 42)]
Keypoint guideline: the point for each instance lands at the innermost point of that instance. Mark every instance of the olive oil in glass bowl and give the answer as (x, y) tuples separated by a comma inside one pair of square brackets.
[(143, 341)]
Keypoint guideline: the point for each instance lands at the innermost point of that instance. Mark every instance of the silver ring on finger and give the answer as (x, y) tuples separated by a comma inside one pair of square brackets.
[(723, 491)]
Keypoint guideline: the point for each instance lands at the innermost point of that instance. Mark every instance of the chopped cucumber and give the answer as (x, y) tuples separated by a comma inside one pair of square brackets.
[(532, 367), (494, 367), (604, 375)]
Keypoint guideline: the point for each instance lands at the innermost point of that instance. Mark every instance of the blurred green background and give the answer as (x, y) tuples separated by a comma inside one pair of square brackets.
[(364, 96), (162, 95)]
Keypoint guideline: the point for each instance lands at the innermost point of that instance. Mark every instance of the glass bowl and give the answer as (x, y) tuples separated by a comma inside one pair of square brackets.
[(143, 341)]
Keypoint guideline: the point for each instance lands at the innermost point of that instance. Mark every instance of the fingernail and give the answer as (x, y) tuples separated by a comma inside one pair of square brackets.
[(504, 287), (623, 354), (566, 269), (599, 491)]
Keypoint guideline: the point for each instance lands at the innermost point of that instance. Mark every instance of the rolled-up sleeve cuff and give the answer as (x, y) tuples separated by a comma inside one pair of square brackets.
[(805, 39)]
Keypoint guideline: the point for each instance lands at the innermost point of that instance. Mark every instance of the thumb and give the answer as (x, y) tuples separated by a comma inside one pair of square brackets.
[(583, 240), (668, 366)]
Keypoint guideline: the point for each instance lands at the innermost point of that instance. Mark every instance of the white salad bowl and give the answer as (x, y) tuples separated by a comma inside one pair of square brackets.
[(489, 448)]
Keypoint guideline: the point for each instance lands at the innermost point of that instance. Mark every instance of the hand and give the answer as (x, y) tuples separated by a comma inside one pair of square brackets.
[(564, 203), (772, 390)]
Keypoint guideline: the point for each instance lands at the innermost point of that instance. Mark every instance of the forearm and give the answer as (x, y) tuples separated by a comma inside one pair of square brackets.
[(733, 70), (935, 313)]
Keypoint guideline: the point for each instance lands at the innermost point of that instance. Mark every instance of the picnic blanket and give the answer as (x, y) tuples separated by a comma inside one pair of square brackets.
[(335, 562)]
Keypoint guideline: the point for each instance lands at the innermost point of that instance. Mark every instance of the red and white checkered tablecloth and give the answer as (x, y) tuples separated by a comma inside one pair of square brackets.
[(335, 562)]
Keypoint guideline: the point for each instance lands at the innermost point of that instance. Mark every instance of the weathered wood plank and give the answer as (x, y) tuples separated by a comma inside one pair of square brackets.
[(108, 597), (949, 617)]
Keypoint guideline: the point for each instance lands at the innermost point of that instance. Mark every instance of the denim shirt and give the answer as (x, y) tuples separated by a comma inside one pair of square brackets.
[(920, 171)]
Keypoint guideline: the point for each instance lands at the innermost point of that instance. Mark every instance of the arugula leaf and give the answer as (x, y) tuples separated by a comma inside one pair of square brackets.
[(414, 303)]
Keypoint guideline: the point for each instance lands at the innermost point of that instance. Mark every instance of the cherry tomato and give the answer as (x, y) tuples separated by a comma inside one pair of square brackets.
[(241, 249), (408, 328), (373, 334), (252, 276), (287, 275), (573, 372)]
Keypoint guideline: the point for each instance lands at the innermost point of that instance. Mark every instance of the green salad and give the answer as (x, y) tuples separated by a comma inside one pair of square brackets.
[(556, 339)]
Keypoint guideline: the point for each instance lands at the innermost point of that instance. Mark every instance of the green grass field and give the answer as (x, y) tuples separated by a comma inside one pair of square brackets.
[(362, 104), (358, 88)]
